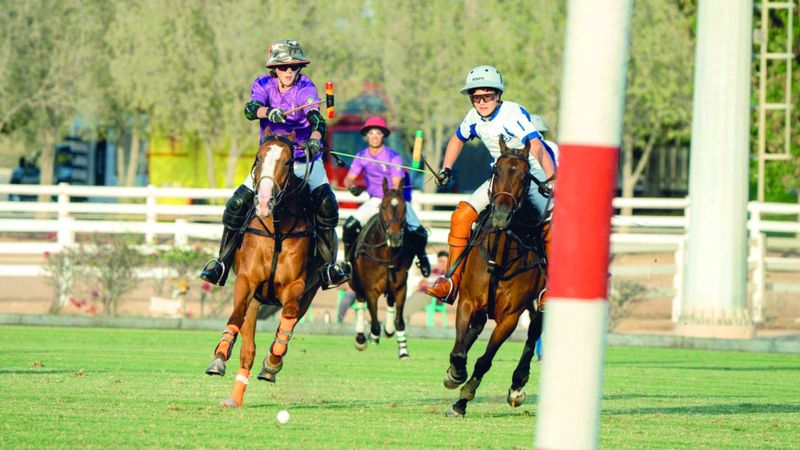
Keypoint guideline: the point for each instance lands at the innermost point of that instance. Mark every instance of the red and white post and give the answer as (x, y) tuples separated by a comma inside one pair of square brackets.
[(590, 123)]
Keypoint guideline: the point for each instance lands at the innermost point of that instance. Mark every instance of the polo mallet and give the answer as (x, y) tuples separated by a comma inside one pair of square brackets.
[(328, 102)]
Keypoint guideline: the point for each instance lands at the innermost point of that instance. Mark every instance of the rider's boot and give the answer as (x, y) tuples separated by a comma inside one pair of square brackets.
[(327, 215), (445, 288), (546, 238), (416, 240), (350, 232), (216, 270)]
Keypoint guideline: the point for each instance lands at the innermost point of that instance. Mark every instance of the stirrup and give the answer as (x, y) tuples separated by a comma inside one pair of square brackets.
[(212, 271), (328, 272)]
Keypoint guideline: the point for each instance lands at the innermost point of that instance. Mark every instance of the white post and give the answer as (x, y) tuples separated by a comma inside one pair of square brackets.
[(181, 238), (677, 279), (150, 216), (66, 232), (715, 287), (590, 129)]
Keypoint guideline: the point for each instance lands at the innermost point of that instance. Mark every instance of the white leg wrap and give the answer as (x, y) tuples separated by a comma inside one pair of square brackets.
[(401, 337), (390, 314), (243, 379), (360, 306)]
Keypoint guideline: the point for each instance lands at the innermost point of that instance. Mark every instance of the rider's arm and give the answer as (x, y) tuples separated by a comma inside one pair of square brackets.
[(257, 107), (454, 147), (541, 155), (349, 181), (318, 125)]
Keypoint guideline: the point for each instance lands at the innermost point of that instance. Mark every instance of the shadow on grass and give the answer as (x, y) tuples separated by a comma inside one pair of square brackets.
[(44, 371), (671, 396), (739, 408)]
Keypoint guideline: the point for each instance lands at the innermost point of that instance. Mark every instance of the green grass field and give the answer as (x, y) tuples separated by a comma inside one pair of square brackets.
[(111, 388)]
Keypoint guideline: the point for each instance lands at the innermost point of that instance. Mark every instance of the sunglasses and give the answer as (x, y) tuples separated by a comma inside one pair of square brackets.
[(477, 98), (293, 67)]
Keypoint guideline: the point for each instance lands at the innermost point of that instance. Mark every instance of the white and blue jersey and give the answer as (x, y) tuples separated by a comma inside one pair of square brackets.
[(509, 120)]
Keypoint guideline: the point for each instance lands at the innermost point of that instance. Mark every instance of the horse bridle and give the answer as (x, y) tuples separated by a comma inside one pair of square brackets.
[(517, 202), (385, 226), (290, 162)]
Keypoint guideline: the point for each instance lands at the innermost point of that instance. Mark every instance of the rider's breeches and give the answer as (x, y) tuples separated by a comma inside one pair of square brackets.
[(480, 197), (371, 207), (316, 178)]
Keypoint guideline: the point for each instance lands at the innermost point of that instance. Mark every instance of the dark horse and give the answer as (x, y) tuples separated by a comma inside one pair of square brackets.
[(274, 265), (502, 279), (380, 267)]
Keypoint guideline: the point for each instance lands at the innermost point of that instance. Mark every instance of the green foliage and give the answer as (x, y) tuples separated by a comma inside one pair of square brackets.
[(61, 270), (140, 68), (108, 265), (115, 388), (621, 299)]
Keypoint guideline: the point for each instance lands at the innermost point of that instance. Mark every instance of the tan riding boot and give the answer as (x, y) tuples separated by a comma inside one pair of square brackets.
[(446, 289)]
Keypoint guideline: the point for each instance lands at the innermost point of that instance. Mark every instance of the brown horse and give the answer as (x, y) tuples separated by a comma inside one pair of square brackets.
[(274, 265), (380, 267), (502, 279)]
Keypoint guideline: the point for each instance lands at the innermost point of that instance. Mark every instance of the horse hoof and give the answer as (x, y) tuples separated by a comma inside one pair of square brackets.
[(217, 367), (361, 342), (228, 403), (451, 382), (404, 355), (516, 397), (375, 339), (266, 376), (468, 390), (387, 334), (453, 413)]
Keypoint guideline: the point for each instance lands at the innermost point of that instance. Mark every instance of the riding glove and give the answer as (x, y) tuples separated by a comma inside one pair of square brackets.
[(313, 146), (275, 115), (445, 175), (356, 191)]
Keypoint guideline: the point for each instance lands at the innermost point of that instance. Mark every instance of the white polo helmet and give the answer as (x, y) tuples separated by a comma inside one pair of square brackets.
[(486, 77), (538, 123)]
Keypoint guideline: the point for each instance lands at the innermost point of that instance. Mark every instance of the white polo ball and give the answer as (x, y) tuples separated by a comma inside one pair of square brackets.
[(283, 416)]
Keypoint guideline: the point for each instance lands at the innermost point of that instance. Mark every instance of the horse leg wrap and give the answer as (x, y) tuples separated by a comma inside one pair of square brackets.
[(239, 386), (360, 320), (402, 344), (390, 315), (282, 336), (225, 346)]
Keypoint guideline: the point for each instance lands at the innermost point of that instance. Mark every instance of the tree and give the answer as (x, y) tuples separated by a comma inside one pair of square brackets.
[(659, 88)]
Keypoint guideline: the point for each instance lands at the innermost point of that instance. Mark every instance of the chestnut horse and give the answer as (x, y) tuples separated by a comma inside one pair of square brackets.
[(274, 265), (502, 279), (380, 267)]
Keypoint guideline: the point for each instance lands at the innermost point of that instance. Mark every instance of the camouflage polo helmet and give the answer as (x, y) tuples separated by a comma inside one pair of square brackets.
[(486, 77), (286, 51)]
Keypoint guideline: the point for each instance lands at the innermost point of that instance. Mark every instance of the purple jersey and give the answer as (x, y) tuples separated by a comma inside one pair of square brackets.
[(375, 172), (265, 90)]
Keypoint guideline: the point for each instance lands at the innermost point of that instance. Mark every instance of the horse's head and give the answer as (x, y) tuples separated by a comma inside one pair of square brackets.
[(510, 181), (272, 171), (393, 214)]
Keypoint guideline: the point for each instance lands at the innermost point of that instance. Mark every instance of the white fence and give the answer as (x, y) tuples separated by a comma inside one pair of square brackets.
[(159, 213)]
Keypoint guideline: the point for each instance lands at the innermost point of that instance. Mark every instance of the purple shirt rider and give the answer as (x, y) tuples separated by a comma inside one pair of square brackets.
[(375, 172), (303, 91)]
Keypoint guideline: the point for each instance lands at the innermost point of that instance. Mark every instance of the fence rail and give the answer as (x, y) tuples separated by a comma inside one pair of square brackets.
[(157, 212)]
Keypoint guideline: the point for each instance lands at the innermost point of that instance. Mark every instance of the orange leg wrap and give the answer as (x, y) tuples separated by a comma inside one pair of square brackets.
[(227, 340), (282, 336), (239, 386)]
